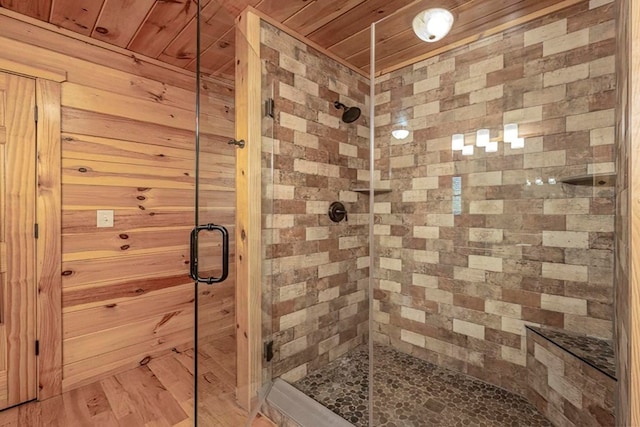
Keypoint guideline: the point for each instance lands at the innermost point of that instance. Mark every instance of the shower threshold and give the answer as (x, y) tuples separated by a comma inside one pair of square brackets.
[(411, 392)]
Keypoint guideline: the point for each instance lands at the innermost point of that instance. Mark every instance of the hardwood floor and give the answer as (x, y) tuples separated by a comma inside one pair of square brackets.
[(159, 393)]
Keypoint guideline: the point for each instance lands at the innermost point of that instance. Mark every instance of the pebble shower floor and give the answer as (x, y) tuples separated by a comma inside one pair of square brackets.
[(411, 392)]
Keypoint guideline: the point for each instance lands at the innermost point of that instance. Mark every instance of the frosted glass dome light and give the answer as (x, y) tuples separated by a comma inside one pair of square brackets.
[(400, 133), (432, 25)]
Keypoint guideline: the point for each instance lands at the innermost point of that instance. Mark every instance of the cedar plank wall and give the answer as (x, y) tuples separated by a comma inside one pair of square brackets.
[(128, 145)]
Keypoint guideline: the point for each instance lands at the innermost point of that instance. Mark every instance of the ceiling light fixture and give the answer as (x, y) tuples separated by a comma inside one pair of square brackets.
[(432, 25)]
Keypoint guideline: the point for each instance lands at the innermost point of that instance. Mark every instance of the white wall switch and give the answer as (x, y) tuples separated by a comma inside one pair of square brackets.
[(105, 218)]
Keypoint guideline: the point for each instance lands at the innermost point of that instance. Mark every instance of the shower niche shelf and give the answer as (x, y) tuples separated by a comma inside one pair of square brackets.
[(367, 191), (601, 180)]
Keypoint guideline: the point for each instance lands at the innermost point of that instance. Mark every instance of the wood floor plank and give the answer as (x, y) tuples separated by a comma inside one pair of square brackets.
[(159, 394)]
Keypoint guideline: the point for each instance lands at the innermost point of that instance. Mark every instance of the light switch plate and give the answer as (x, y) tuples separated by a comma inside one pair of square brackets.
[(104, 218)]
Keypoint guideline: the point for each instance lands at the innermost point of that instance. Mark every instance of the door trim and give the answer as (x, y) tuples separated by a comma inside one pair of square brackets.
[(49, 246), (49, 211)]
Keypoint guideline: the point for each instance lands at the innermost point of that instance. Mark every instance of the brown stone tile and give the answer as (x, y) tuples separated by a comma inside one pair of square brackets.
[(543, 317)]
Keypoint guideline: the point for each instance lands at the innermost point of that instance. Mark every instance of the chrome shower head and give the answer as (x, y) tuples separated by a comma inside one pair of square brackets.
[(350, 115)]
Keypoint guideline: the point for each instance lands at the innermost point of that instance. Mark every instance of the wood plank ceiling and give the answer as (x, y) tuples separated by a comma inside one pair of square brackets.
[(166, 29)]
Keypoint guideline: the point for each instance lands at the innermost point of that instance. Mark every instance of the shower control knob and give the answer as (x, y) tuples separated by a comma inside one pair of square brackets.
[(337, 212)]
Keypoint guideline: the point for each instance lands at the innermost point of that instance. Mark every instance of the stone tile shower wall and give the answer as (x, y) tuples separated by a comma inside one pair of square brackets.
[(317, 269), (457, 289)]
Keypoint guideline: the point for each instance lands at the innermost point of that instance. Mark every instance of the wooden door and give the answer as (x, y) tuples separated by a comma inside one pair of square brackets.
[(17, 240)]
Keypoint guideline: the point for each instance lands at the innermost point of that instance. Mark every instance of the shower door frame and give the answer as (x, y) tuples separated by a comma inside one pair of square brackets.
[(248, 210)]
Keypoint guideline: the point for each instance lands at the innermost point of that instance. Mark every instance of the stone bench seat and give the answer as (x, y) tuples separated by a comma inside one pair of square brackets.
[(570, 377)]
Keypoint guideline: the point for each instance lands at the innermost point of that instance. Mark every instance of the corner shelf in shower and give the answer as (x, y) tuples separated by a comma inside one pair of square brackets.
[(368, 190), (597, 180)]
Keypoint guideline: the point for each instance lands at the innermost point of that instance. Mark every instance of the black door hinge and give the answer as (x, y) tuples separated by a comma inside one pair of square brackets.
[(37, 348), (269, 108), (268, 350), (36, 230), (35, 114)]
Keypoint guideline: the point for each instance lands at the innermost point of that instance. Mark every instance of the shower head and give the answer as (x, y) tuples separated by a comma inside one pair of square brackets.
[(350, 115)]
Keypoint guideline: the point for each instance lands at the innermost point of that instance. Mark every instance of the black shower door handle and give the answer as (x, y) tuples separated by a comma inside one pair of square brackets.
[(194, 254)]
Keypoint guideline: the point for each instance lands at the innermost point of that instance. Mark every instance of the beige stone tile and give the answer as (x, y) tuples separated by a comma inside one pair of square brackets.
[(295, 374), (412, 314), (331, 269), (593, 120), (381, 229), (349, 242), (424, 280), (441, 67), (426, 109), (426, 232), (486, 235), (293, 347), (563, 304), (438, 295), (603, 31), (487, 94), (305, 139), (391, 263), (471, 84), (566, 42), (547, 95), (488, 207), (469, 112), (486, 66), (293, 291), (425, 183), (601, 168), (570, 392), (545, 159), (565, 239), (589, 325), (348, 150), (469, 274), (566, 206), (467, 328), (407, 161), (481, 262), (317, 207), (383, 97), (515, 326), (382, 208), (602, 66), (484, 179), (502, 308), (523, 115), (566, 75), (602, 136), (391, 241), (391, 286), (576, 273), (513, 355), (414, 196), (438, 169), (381, 317), (428, 257), (291, 93), (292, 122), (597, 3), (554, 364), (348, 311), (326, 345), (545, 32), (293, 65), (593, 223), (412, 338), (440, 220), (426, 84), (283, 192), (329, 294)]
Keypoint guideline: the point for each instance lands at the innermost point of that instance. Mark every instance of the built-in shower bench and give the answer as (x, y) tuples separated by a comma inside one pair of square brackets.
[(571, 378)]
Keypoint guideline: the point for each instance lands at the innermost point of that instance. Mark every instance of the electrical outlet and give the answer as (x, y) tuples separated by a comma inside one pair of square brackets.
[(104, 218)]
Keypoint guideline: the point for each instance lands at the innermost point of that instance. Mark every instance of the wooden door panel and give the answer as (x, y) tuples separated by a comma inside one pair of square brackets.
[(18, 246)]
